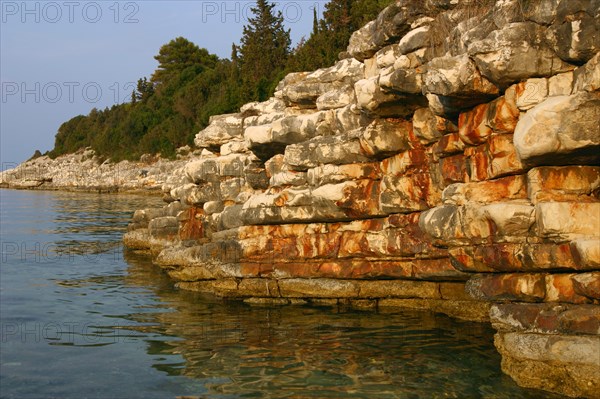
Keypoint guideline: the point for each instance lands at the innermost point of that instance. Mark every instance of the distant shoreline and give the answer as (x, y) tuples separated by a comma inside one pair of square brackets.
[(83, 171), (87, 190)]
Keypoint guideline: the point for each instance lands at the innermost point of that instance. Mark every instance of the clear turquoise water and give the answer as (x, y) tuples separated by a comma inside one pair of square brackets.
[(79, 318)]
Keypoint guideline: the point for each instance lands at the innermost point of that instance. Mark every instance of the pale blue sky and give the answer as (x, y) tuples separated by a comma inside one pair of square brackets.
[(59, 59)]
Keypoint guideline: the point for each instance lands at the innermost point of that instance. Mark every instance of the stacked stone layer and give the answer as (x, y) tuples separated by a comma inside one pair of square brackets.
[(449, 162)]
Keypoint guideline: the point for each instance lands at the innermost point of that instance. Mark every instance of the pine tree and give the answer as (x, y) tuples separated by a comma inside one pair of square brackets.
[(264, 50), (143, 91), (178, 55), (190, 84), (331, 35)]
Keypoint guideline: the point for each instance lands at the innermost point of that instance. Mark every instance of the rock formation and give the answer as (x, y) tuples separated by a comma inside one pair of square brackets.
[(85, 171), (449, 162)]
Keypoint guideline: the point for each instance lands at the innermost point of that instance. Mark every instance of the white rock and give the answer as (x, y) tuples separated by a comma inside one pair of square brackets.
[(561, 84), (533, 92), (562, 129)]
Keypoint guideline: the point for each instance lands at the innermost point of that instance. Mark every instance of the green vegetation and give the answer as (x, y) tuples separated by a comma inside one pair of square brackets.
[(190, 84)]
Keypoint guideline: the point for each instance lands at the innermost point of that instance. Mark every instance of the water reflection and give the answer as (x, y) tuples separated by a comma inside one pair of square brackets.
[(91, 224), (89, 320), (296, 351)]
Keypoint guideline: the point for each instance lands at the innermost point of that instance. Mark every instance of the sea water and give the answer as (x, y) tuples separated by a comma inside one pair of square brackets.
[(80, 317)]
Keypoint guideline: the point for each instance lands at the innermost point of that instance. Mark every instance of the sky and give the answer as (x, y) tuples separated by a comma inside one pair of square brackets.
[(60, 59)]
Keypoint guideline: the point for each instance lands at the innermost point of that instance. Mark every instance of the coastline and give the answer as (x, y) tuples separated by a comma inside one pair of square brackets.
[(84, 171), (463, 183)]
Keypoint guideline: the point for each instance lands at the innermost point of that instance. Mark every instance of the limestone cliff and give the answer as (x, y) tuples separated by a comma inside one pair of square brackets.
[(450, 161)]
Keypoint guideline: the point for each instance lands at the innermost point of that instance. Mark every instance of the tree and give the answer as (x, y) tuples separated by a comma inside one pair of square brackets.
[(331, 35), (177, 56), (190, 84), (264, 50), (143, 91)]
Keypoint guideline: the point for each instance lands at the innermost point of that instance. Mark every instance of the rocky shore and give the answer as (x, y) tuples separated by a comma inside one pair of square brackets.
[(85, 171), (449, 161)]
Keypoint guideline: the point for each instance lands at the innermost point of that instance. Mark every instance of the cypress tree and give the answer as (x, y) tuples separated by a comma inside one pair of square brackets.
[(264, 50)]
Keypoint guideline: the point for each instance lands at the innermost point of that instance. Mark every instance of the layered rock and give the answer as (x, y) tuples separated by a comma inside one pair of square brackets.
[(450, 163)]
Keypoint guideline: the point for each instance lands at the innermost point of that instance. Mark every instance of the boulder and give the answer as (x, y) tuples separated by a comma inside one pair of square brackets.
[(166, 227), (567, 220), (458, 77), (406, 163), (337, 150), (576, 37), (362, 44), (460, 225), (374, 101), (558, 363), (407, 194), (561, 84), (327, 203), (288, 178), (272, 105), (495, 158), (587, 77), (563, 184), (221, 130), (259, 139), (350, 118), (268, 140), (517, 51), (449, 144), (508, 287), (304, 94), (346, 71), (336, 98), (236, 146), (387, 56), (560, 130), (531, 92), (429, 128), (391, 24), (212, 169), (487, 192), (385, 137), (542, 12), (409, 81), (587, 253), (306, 91), (516, 257), (414, 40), (331, 174)]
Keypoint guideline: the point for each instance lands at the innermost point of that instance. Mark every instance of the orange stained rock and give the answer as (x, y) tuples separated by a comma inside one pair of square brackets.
[(472, 126), (405, 163), (361, 200), (496, 158), (192, 227), (564, 183), (453, 169), (560, 288), (503, 115), (449, 144), (512, 287)]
